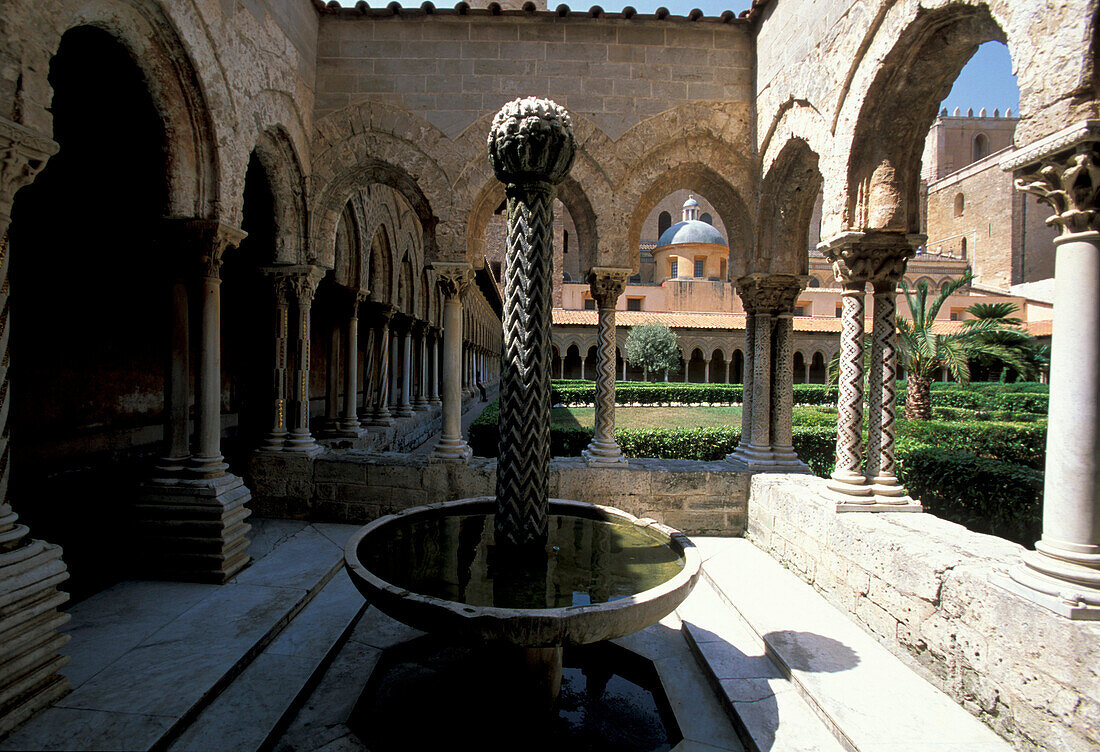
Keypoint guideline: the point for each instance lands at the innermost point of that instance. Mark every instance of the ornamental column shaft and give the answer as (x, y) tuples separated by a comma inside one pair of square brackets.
[(782, 418), (349, 421), (380, 416), (1063, 572), (531, 150), (304, 285), (435, 350), (404, 406), (177, 384), (847, 476), (606, 285), (881, 468), (277, 436), (454, 280), (746, 379), (207, 460)]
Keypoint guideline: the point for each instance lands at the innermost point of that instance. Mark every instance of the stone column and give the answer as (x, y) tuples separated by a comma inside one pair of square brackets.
[(744, 290), (606, 285), (728, 363), (304, 283), (531, 150), (332, 382), (1063, 572), (366, 404), (881, 469), (436, 350), (30, 570), (454, 280), (380, 416), (783, 453), (277, 436), (404, 334), (177, 385), (394, 396), (191, 526), (349, 421), (420, 399)]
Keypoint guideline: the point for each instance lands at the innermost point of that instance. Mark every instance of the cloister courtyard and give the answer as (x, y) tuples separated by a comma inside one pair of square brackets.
[(254, 297)]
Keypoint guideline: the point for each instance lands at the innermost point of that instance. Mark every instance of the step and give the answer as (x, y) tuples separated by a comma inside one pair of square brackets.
[(867, 697), (148, 657), (271, 689), (768, 713)]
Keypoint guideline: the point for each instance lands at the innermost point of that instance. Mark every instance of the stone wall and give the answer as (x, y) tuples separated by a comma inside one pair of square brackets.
[(699, 498), (926, 588)]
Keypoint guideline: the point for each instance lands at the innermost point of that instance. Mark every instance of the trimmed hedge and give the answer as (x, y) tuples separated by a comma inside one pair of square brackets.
[(573, 392), (1023, 402), (985, 495), (1007, 442)]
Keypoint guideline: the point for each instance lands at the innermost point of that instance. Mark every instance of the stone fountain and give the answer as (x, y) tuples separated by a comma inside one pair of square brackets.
[(521, 570)]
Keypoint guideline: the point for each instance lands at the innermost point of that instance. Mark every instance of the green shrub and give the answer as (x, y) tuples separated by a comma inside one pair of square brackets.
[(985, 495), (1024, 402), (1008, 442)]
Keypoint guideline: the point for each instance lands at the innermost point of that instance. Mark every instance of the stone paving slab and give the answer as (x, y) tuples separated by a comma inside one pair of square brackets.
[(267, 690), (873, 700), (771, 715)]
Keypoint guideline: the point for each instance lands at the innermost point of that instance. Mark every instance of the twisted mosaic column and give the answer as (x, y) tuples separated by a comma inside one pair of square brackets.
[(847, 480), (882, 396), (606, 286), (746, 374), (380, 415), (304, 285), (783, 391), (531, 150)]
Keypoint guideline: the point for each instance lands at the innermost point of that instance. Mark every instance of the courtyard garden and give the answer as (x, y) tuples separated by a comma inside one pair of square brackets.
[(978, 461)]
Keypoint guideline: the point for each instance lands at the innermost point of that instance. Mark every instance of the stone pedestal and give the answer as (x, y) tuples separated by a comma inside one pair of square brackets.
[(1063, 572)]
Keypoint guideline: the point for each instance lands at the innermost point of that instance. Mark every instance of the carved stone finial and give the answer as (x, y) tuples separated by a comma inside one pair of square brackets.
[(531, 141)]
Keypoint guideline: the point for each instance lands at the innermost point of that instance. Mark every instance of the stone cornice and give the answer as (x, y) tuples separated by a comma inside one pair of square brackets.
[(1050, 146)]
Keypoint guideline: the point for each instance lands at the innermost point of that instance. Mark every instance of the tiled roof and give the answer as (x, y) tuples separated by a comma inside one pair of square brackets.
[(720, 321)]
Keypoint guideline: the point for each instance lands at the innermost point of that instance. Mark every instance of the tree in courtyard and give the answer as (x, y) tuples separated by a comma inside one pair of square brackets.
[(1011, 336), (923, 352), (652, 347)]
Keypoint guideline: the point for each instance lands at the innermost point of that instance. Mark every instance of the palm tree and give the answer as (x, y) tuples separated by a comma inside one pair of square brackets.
[(923, 352), (1011, 336)]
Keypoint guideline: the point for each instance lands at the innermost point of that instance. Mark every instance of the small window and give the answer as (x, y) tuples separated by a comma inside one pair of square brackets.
[(963, 247), (589, 304), (673, 268), (957, 314), (634, 304), (723, 270), (960, 204), (800, 310), (815, 282), (700, 266), (565, 242), (565, 277), (981, 147), (664, 221), (704, 217), (839, 310), (636, 279)]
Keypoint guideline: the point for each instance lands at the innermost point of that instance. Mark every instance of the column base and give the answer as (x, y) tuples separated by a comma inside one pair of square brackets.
[(207, 468), (451, 450), (404, 411), (891, 494), (173, 465), (850, 492), (349, 429), (274, 442), (1073, 600), (604, 453), (435, 402), (302, 444), (379, 420), (194, 530), (30, 572)]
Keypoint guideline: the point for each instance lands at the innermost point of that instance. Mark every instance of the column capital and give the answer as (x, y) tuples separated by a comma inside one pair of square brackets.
[(1063, 171), (607, 283), (23, 154), (401, 322), (303, 280), (209, 237), (453, 277), (419, 327), (772, 294), (876, 256)]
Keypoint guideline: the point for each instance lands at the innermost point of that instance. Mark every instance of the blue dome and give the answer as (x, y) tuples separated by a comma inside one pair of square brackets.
[(691, 231)]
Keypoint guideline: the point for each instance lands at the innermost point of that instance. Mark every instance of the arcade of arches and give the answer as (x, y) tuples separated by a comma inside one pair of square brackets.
[(247, 232)]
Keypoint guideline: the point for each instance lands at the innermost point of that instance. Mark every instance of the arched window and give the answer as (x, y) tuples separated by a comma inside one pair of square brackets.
[(723, 269), (964, 247), (981, 147), (704, 217), (664, 221), (673, 268), (960, 204), (815, 282)]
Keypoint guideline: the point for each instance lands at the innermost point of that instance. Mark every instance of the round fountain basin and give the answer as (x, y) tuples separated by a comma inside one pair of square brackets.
[(604, 573)]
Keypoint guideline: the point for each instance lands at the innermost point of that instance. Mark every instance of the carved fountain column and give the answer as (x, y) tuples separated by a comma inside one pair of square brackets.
[(607, 285), (531, 150), (1063, 572)]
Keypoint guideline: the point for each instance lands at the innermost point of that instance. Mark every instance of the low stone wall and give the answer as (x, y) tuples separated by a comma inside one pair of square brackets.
[(925, 588), (699, 498)]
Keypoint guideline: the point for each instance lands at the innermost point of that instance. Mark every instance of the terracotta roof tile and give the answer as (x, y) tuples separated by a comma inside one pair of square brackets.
[(726, 321)]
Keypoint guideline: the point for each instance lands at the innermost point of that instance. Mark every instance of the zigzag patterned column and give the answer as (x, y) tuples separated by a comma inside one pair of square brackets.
[(745, 290), (531, 150), (847, 480), (607, 285), (882, 398)]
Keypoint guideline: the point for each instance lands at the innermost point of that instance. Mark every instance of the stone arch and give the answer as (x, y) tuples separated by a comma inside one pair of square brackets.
[(787, 199), (347, 249), (277, 156), (656, 175), (381, 256), (185, 85), (898, 108)]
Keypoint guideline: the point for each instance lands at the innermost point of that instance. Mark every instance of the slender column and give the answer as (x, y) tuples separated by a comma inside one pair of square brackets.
[(606, 285), (583, 359), (277, 436), (30, 570), (304, 285), (782, 393), (177, 385), (454, 280), (349, 421), (728, 363), (420, 400), (744, 291), (1063, 572), (806, 371), (847, 477), (404, 407), (332, 381), (207, 460), (531, 149), (881, 469), (624, 369), (381, 413), (366, 405), (435, 349), (394, 396), (759, 449)]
